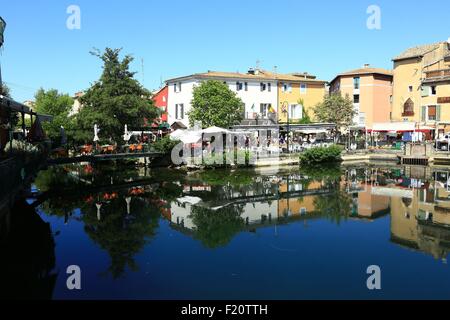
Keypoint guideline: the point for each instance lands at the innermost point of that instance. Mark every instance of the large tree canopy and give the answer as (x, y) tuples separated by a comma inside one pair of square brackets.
[(335, 109), (115, 100), (58, 105), (214, 104)]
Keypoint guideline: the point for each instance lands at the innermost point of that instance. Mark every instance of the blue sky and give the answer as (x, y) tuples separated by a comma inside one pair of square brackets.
[(182, 37)]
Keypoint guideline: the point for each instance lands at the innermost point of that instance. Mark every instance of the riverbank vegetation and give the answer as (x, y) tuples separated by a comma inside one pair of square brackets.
[(321, 155)]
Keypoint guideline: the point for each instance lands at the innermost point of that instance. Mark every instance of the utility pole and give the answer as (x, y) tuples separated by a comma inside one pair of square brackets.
[(2, 29)]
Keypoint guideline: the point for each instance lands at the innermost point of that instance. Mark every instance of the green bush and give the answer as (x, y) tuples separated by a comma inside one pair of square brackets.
[(321, 155), (165, 145)]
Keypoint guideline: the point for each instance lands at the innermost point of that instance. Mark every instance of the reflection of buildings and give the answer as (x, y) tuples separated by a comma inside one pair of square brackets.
[(422, 222)]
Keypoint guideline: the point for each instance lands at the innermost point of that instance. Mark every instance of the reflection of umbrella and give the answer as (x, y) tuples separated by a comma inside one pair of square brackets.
[(96, 130), (63, 136), (128, 201), (191, 137), (98, 205)]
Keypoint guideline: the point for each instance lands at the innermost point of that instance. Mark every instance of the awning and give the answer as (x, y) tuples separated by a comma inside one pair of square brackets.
[(392, 192), (398, 127), (311, 131), (212, 130)]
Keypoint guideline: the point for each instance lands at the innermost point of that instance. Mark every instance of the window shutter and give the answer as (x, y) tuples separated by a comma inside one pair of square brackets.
[(438, 112), (176, 111), (182, 111), (425, 91), (423, 115)]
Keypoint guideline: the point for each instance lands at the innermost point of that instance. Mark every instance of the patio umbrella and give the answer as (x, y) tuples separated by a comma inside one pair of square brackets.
[(96, 130), (214, 129), (126, 135)]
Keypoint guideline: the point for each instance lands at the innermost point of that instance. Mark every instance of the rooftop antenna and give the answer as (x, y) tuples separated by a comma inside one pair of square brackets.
[(257, 64)]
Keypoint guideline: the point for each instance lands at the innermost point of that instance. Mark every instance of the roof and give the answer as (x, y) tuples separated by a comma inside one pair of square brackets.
[(365, 71), (258, 76), (418, 51)]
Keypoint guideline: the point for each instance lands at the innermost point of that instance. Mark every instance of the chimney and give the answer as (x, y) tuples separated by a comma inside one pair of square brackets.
[(367, 65), (251, 71)]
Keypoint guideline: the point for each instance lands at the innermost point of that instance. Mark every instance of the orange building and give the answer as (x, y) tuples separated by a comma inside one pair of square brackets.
[(370, 89)]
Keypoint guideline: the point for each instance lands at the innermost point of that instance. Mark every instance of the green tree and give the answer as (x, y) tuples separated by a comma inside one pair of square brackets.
[(335, 109), (115, 100), (58, 105), (4, 90), (214, 104)]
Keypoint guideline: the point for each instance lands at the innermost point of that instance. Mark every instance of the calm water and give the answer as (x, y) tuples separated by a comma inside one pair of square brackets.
[(290, 234)]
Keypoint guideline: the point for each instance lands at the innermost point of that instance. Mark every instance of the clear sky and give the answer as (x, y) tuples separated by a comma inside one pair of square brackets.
[(178, 37)]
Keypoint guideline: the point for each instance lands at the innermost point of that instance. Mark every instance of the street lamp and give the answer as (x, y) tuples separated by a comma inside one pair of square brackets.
[(285, 109)]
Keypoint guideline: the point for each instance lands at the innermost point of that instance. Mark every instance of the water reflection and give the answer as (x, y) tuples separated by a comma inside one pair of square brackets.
[(121, 210)]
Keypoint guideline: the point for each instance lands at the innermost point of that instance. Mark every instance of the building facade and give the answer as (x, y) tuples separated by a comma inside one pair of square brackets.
[(298, 93), (370, 89), (422, 86), (266, 95), (160, 98)]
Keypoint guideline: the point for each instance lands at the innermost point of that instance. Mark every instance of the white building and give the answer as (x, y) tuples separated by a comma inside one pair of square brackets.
[(257, 90)]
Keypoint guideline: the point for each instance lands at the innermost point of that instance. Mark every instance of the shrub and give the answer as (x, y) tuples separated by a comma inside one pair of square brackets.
[(321, 155), (165, 145)]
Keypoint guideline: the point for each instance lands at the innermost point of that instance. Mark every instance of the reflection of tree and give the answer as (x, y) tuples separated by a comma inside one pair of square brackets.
[(216, 228), (335, 206), (27, 251), (122, 235)]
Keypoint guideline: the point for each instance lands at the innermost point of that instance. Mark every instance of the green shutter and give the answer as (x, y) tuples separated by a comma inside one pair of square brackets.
[(438, 112), (425, 91), (423, 115)]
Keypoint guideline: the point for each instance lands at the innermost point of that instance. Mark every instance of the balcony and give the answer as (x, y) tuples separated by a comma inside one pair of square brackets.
[(437, 75), (408, 114)]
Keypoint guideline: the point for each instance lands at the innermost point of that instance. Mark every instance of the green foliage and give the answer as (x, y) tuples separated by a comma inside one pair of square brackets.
[(4, 90), (216, 228), (58, 105), (165, 145), (335, 109), (321, 155), (336, 206), (214, 104), (115, 100)]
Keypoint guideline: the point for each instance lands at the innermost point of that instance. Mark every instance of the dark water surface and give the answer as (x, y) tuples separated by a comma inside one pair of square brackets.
[(222, 234)]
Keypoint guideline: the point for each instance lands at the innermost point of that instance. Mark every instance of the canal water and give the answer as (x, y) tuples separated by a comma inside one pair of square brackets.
[(231, 234)]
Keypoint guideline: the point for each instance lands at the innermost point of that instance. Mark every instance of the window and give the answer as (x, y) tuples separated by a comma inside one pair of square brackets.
[(295, 111), (179, 111), (303, 211), (286, 87), (239, 86), (356, 98), (433, 90), (164, 98), (262, 86), (356, 83), (303, 88), (269, 87), (432, 113), (410, 88), (177, 87), (408, 108), (246, 86), (264, 109)]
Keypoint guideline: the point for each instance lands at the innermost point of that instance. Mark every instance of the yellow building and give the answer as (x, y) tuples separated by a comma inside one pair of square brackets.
[(298, 93), (421, 91)]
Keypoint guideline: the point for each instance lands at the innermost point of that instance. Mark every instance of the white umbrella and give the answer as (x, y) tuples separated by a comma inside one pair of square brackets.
[(126, 135), (96, 130), (215, 129), (177, 134), (191, 137)]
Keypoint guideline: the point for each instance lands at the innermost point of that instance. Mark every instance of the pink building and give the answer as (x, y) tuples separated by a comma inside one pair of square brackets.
[(370, 89)]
